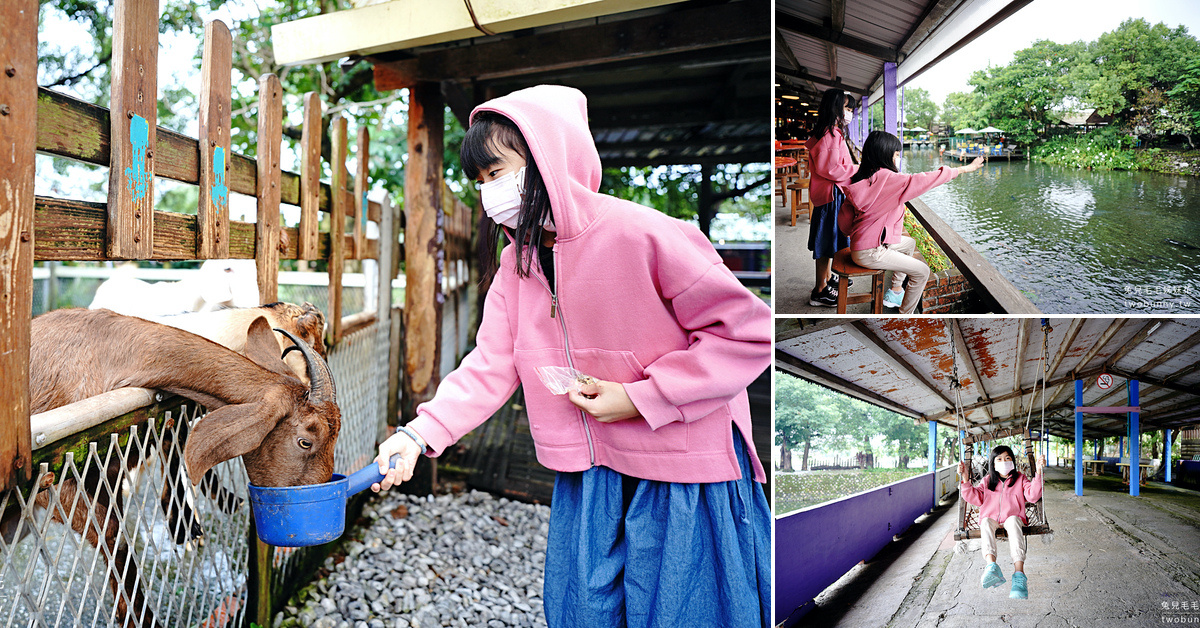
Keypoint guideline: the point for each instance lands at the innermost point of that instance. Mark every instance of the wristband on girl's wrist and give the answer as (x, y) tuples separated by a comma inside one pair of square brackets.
[(408, 431)]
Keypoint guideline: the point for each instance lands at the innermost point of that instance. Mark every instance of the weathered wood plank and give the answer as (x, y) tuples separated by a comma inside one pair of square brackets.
[(135, 99), (673, 32), (423, 245), (18, 143), (215, 100), (362, 184), (997, 291), (74, 230), (74, 129), (337, 226), (310, 169), (270, 140)]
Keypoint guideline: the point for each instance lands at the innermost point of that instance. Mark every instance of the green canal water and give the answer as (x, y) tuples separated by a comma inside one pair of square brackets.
[(1079, 241)]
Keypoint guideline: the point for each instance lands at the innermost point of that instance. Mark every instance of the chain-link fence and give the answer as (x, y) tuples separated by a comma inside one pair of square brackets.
[(101, 535)]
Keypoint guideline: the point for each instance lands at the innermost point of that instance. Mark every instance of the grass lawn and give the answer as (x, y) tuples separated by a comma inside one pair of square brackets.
[(800, 490)]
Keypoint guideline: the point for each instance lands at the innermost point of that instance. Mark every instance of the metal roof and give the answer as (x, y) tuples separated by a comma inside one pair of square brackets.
[(844, 43), (907, 365), (685, 83)]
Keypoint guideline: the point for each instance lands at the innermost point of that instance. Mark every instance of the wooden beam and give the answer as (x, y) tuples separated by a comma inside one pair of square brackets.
[(71, 128), (134, 97), (1171, 353), (423, 244), (212, 241), (1023, 334), (18, 143), (790, 328), (804, 75), (337, 226), (799, 25), (1133, 342), (404, 24), (461, 104), (1065, 389), (1191, 390), (266, 230), (960, 346), (993, 287), (787, 51), (795, 366), (682, 31), (74, 231), (310, 175), (362, 185)]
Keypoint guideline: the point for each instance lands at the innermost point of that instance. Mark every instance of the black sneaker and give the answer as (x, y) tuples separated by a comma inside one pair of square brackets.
[(833, 282), (827, 297)]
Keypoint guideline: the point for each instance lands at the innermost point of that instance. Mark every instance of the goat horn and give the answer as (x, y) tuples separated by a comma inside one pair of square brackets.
[(318, 371)]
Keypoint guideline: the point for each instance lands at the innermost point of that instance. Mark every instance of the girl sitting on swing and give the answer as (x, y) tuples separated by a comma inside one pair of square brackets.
[(1001, 496)]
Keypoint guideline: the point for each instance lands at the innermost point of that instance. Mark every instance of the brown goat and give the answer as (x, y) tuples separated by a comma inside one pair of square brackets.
[(283, 430)]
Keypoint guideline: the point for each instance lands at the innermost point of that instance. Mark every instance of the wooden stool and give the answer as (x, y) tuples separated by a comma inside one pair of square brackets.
[(796, 189), (845, 268)]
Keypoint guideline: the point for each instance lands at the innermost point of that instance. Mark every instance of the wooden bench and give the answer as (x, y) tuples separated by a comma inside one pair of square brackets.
[(845, 269)]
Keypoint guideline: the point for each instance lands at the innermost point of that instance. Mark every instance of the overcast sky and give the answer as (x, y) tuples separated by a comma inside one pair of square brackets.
[(1061, 21)]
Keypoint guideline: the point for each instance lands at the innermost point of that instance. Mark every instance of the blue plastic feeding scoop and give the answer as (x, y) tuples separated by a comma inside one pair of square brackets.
[(299, 516)]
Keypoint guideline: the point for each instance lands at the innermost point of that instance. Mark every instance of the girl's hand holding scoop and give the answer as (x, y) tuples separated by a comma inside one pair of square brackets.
[(607, 402), (410, 452)]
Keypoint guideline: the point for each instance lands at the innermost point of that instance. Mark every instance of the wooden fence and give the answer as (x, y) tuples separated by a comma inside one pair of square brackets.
[(125, 138)]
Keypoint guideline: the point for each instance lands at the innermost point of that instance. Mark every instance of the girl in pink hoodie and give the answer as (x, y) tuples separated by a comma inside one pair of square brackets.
[(831, 166), (1001, 496), (658, 517), (873, 216)]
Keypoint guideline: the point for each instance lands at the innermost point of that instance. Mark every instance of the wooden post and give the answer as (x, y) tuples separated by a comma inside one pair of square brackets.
[(134, 120), (424, 257), (337, 227), (310, 177), (267, 232), (18, 143), (212, 216), (362, 184)]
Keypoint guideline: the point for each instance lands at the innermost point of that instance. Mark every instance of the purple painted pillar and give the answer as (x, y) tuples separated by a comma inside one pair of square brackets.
[(864, 121), (891, 101)]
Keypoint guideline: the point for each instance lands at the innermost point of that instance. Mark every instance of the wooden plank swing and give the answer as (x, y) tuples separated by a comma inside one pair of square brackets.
[(1035, 513)]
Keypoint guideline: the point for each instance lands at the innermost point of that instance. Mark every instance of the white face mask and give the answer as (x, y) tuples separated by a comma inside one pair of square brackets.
[(501, 197), (1004, 467)]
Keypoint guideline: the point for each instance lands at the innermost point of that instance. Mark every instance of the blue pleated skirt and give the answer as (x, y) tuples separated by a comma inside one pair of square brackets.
[(626, 552), (824, 237)]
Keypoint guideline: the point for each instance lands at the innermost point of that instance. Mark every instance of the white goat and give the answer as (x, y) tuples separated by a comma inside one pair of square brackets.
[(218, 283)]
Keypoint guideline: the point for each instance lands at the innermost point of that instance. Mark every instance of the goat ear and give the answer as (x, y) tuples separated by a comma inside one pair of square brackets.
[(263, 349), (226, 433)]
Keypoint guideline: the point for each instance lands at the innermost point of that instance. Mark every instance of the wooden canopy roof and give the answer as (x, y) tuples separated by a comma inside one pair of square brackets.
[(676, 83)]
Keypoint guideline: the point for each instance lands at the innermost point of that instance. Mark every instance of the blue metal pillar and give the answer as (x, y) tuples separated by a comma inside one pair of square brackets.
[(1121, 443), (1167, 456), (891, 104), (1079, 438), (1096, 449), (1135, 442)]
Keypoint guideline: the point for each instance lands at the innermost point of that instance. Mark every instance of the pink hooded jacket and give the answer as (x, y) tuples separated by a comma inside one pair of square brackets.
[(1005, 501), (874, 213), (642, 299), (831, 165)]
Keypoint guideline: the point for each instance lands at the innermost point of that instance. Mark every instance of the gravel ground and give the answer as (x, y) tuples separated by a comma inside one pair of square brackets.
[(451, 560)]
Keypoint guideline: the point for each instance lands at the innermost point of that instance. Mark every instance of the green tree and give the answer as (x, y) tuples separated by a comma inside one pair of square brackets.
[(1023, 97), (804, 414), (963, 110), (1137, 62), (919, 108)]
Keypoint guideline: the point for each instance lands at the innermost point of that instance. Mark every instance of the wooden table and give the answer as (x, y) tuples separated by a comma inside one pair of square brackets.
[(1141, 476), (784, 162), (1093, 467)]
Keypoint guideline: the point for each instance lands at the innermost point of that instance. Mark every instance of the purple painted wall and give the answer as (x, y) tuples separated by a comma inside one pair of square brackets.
[(816, 546)]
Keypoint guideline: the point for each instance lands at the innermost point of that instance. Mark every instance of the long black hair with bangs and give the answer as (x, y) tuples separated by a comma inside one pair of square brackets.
[(831, 112), (993, 478), (489, 131)]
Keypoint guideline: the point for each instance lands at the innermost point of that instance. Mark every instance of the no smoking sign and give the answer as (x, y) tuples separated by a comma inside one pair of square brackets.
[(1104, 382)]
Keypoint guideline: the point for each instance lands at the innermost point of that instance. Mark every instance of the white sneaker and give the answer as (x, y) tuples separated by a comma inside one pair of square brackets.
[(892, 298)]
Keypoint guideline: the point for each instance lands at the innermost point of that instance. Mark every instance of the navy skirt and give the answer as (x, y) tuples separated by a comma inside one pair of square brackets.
[(626, 552), (824, 237)]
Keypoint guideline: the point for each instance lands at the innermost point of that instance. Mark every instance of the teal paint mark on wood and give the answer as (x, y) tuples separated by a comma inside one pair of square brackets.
[(137, 177), (220, 191), (363, 218)]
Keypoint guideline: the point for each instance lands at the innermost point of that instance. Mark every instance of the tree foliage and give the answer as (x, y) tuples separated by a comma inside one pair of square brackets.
[(1024, 97), (919, 108), (964, 110)]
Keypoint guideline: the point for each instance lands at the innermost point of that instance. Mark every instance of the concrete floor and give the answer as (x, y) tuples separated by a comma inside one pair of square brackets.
[(795, 270), (1114, 561)]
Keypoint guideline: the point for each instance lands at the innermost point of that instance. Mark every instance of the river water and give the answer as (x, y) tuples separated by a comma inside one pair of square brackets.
[(1078, 241)]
